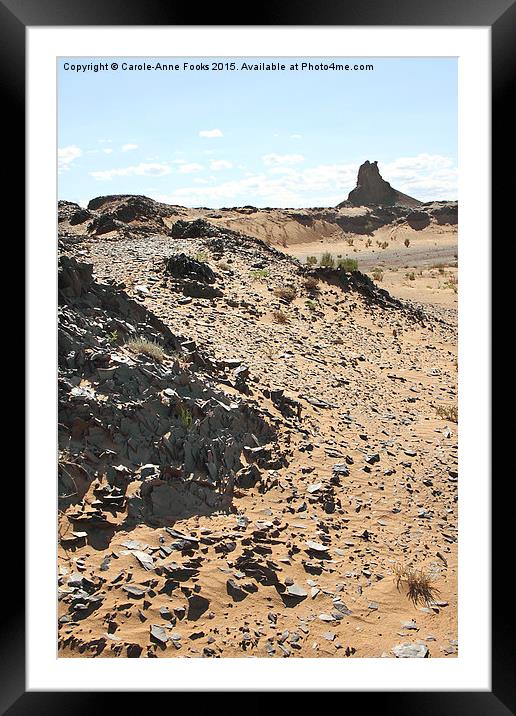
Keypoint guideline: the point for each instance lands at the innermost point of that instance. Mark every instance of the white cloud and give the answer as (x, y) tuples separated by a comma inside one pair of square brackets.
[(190, 168), (296, 136), (210, 133), (276, 159), (129, 147), (426, 177), (66, 156), (219, 164), (107, 150), (142, 169)]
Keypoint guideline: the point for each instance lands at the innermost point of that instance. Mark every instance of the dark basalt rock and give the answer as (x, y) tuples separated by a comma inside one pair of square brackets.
[(66, 209), (182, 266), (80, 217), (287, 406), (418, 220), (131, 206), (104, 224), (135, 208), (195, 278), (197, 605), (193, 229), (445, 212), (248, 477), (142, 420)]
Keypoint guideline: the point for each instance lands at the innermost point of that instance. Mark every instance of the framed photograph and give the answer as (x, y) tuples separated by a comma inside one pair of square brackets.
[(258, 290)]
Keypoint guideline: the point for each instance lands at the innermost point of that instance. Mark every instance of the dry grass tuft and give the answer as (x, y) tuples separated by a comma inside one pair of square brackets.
[(287, 293), (311, 284), (279, 317), (418, 584), (448, 412), (146, 347)]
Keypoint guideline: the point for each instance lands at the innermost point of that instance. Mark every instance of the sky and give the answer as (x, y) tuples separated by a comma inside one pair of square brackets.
[(279, 138)]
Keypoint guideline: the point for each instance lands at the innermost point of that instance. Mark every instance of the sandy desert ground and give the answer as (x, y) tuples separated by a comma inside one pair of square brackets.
[(425, 271), (253, 488)]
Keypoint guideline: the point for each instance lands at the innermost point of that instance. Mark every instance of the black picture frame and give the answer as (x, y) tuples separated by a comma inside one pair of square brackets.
[(500, 15)]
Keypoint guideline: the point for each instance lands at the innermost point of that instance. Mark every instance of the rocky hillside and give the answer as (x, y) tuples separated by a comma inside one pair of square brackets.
[(115, 216), (253, 454)]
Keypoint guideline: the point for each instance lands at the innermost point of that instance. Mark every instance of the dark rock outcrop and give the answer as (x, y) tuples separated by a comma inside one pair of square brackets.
[(193, 278), (418, 220), (193, 229), (444, 212), (104, 224), (129, 207), (80, 217), (138, 411), (66, 209), (373, 190), (182, 266)]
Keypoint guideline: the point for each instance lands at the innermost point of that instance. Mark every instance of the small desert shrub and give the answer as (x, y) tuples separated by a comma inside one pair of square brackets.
[(152, 349), (279, 317), (260, 273), (448, 412), (311, 284), (350, 242), (407, 243), (224, 266), (201, 256), (311, 260), (411, 276), (311, 305), (418, 584), (327, 260), (113, 337), (269, 351), (287, 293), (378, 275), (452, 283), (369, 226), (368, 242), (185, 417), (348, 264), (384, 244)]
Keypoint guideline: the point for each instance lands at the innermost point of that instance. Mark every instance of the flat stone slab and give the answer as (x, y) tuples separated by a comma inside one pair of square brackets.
[(410, 651)]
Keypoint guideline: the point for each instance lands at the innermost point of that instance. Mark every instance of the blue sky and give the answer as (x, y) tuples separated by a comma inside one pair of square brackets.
[(267, 138)]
